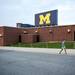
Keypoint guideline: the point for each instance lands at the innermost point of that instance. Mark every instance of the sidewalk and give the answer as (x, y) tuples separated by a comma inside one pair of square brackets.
[(39, 50)]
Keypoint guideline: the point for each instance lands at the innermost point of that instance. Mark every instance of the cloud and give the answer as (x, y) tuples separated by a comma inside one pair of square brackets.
[(66, 9), (46, 2), (66, 14), (24, 11)]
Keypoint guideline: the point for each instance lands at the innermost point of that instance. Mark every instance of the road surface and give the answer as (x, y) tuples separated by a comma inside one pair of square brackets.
[(30, 63)]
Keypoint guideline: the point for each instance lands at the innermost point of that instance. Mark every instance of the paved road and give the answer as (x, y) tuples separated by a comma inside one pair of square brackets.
[(29, 63)]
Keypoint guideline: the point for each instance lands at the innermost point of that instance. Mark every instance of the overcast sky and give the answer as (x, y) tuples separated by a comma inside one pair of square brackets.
[(23, 11)]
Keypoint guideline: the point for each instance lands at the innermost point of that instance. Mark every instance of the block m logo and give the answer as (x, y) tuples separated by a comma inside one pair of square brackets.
[(44, 19)]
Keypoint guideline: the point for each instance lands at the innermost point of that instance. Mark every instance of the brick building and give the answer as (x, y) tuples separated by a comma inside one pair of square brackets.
[(11, 35)]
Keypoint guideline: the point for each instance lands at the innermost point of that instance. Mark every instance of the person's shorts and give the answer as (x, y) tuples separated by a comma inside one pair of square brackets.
[(63, 47)]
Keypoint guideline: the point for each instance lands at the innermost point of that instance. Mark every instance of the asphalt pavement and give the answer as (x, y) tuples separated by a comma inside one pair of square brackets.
[(35, 61)]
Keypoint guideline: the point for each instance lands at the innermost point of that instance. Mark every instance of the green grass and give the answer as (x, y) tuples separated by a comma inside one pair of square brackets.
[(69, 45)]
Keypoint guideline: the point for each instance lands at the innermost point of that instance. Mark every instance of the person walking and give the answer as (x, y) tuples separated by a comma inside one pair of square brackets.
[(63, 47)]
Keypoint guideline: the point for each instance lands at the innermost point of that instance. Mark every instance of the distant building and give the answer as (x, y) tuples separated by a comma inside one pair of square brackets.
[(21, 25), (11, 35), (45, 29)]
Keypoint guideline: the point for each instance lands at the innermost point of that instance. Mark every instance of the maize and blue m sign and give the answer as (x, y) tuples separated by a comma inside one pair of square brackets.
[(46, 18)]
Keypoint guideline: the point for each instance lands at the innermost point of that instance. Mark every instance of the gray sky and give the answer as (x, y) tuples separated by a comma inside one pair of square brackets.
[(23, 11)]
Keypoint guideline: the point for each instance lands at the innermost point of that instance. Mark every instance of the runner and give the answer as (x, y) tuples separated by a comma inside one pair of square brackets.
[(63, 47)]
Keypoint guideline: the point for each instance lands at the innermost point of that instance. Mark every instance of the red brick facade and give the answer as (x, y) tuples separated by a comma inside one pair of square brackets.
[(11, 35)]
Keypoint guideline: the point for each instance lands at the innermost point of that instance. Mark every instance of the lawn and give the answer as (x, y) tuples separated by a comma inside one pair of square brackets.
[(69, 45)]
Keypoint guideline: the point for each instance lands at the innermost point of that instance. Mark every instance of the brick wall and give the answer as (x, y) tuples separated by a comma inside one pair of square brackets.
[(28, 38), (10, 35), (1, 36)]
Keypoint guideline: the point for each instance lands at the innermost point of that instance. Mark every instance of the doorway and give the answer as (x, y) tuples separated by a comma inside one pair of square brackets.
[(19, 38), (74, 36), (37, 38)]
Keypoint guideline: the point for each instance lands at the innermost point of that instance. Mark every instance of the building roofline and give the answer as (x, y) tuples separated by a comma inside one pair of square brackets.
[(38, 27), (48, 26)]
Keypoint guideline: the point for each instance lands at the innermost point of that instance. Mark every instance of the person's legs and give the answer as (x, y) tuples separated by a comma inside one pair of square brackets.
[(65, 50), (61, 51)]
